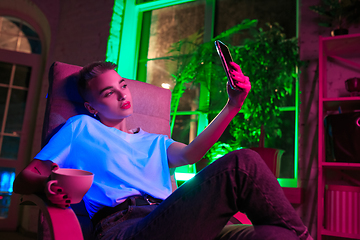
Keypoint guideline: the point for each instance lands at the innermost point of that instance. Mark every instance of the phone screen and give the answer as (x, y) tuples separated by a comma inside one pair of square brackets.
[(225, 58)]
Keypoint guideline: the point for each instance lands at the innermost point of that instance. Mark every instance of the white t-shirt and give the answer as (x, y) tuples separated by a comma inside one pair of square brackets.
[(123, 164)]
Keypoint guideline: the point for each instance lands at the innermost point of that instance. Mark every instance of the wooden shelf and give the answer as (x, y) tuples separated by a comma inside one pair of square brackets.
[(345, 103), (344, 49), (345, 45), (341, 165), (340, 234)]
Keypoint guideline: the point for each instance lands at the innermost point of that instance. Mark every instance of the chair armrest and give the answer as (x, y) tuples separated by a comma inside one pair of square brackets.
[(63, 223)]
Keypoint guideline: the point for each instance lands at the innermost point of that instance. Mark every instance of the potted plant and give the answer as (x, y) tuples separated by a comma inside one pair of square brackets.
[(338, 14), (198, 63), (270, 61)]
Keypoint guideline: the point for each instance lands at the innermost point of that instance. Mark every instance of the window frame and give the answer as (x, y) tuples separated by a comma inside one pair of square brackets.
[(33, 61), (129, 52), (36, 62)]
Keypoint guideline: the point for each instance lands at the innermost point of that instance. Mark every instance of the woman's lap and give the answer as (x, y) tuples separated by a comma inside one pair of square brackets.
[(201, 207)]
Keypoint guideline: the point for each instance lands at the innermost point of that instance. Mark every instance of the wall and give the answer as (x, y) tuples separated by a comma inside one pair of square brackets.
[(79, 31)]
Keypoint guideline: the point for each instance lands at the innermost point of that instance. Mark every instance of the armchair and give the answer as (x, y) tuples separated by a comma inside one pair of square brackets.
[(151, 113)]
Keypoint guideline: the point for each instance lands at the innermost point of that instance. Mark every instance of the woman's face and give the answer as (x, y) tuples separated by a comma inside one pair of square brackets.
[(109, 97)]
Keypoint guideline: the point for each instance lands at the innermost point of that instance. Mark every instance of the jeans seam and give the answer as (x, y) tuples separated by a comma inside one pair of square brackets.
[(174, 203)]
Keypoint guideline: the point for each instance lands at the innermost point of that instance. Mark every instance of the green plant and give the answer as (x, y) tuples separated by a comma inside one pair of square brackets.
[(218, 150), (338, 13), (270, 61), (196, 63)]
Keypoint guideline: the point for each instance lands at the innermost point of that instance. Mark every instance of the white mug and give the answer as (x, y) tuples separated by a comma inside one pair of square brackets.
[(75, 182)]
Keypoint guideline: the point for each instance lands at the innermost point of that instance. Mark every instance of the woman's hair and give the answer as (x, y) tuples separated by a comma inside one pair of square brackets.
[(92, 71)]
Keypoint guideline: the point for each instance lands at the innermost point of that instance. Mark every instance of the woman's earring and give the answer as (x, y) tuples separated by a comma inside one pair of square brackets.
[(94, 115)]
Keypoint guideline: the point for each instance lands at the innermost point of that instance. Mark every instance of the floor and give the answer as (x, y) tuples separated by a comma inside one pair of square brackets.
[(15, 236)]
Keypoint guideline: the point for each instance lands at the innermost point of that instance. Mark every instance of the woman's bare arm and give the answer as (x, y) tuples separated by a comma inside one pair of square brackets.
[(181, 154), (33, 178)]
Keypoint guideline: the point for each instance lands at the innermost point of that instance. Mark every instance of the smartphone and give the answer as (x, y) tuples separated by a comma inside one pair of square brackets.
[(225, 58)]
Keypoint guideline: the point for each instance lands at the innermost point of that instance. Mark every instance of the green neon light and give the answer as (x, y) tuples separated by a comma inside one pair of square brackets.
[(116, 25), (296, 141), (284, 182), (183, 176), (288, 182)]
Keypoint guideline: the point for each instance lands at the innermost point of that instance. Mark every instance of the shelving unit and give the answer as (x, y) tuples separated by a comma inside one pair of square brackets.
[(345, 52)]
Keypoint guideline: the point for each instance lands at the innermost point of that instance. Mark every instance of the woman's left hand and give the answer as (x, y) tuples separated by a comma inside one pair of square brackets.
[(238, 95)]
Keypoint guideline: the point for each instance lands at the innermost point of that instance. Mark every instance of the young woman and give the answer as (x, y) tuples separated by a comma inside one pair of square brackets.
[(131, 197)]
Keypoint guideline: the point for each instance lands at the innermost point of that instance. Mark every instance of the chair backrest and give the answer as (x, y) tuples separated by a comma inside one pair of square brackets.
[(151, 104), (151, 112)]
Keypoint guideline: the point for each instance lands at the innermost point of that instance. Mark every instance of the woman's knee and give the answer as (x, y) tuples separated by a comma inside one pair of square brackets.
[(243, 159), (244, 155)]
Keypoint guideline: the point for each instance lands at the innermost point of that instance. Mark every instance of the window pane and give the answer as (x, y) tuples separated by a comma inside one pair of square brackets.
[(22, 76), (285, 142), (17, 35), (7, 176), (185, 128), (189, 99), (35, 45), (232, 12), (169, 25), (5, 72), (289, 100), (29, 31), (24, 45), (3, 95), (218, 94), (9, 25), (16, 111), (10, 147), (8, 42)]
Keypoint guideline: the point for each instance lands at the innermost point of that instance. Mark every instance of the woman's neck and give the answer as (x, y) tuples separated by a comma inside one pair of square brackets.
[(120, 125)]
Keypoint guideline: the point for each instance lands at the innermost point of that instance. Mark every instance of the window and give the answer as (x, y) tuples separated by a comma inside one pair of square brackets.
[(159, 24), (17, 35), (20, 49), (14, 84), (7, 176)]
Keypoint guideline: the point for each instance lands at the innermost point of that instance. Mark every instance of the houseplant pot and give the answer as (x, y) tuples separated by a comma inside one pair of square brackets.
[(339, 31)]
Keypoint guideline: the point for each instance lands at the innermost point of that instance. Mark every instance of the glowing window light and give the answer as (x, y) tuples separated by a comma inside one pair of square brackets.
[(165, 85), (183, 176), (113, 44)]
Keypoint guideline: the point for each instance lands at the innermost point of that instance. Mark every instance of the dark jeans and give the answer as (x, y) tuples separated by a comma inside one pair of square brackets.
[(200, 208)]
